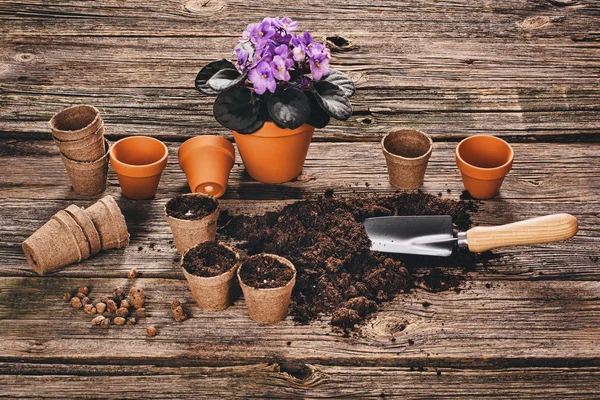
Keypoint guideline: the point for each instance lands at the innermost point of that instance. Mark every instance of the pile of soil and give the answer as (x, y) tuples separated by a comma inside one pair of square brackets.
[(265, 273), (209, 259), (337, 274), (190, 207)]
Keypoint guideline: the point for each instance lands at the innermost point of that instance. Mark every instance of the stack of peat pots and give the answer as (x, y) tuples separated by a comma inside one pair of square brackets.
[(78, 132), (74, 234)]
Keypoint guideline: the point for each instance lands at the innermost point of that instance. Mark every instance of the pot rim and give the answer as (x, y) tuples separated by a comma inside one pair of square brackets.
[(101, 161), (209, 278), (52, 121), (273, 131), (426, 155), (283, 260), (197, 219), (214, 141), (496, 172), (120, 166)]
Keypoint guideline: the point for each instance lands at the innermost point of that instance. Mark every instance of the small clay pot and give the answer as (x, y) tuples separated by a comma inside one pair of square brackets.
[(89, 148), (407, 152), (52, 246), (268, 306), (109, 222), (273, 154), (214, 293), (483, 161), (75, 123), (139, 162), (207, 161), (87, 225), (187, 233), (88, 178)]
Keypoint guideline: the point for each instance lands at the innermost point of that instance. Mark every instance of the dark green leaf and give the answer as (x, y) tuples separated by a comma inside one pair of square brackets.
[(236, 109), (333, 100), (342, 80), (289, 108), (207, 72), (318, 117), (224, 79)]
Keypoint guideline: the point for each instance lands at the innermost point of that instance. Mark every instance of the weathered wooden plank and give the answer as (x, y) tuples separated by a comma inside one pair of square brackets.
[(546, 178), (312, 381), (509, 324)]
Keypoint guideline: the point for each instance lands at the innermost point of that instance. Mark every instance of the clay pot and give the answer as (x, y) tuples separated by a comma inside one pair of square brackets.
[(207, 161), (87, 225), (138, 162), (214, 293), (268, 306), (88, 178), (273, 154), (89, 148), (52, 246), (483, 161), (187, 233), (407, 152), (109, 222), (75, 123)]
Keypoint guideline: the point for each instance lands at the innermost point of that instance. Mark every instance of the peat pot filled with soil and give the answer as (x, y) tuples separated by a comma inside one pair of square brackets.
[(267, 281), (210, 271), (193, 219)]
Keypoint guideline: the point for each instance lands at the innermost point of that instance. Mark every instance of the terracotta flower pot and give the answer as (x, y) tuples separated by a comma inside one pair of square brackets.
[(483, 161), (213, 293), (267, 305), (207, 161), (138, 162), (407, 152), (193, 219), (273, 154), (75, 123), (88, 178), (89, 148)]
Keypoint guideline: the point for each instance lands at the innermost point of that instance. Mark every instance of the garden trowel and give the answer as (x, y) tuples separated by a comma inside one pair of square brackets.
[(433, 235)]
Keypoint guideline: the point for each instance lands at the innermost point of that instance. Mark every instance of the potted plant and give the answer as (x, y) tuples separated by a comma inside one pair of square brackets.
[(279, 90)]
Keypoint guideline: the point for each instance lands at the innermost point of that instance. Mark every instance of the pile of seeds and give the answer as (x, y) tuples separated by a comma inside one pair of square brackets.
[(337, 274)]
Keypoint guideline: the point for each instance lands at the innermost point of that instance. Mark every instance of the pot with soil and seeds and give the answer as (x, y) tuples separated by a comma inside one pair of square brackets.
[(278, 91), (210, 271), (193, 219), (267, 281)]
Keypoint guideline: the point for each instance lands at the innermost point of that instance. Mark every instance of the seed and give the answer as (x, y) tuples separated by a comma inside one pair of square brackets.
[(133, 273), (122, 312), (89, 309), (105, 323), (151, 331), (119, 321), (100, 307), (67, 297), (98, 320), (76, 302), (111, 306), (85, 300), (178, 311), (137, 297), (140, 313), (104, 300), (84, 289), (80, 295), (119, 294), (131, 321), (125, 304)]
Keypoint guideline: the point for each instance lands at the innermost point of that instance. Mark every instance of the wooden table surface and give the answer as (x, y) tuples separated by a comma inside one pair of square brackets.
[(526, 326)]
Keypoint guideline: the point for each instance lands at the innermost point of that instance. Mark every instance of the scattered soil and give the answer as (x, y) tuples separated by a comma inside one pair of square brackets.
[(190, 207), (337, 274), (265, 273), (209, 259)]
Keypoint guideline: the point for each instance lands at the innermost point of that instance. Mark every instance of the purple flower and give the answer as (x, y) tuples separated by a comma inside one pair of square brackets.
[(319, 65), (262, 78), (265, 30), (286, 24), (280, 69), (264, 53), (299, 53)]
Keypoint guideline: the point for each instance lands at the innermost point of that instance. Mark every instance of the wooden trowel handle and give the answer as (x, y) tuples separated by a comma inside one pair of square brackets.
[(551, 228)]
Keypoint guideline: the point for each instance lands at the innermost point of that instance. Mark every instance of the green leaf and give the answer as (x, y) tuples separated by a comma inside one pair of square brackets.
[(318, 117), (235, 109), (289, 108), (333, 100), (207, 72), (342, 80), (224, 79)]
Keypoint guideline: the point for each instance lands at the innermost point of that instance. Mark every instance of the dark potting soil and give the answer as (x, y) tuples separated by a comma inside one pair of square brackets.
[(209, 259), (265, 273), (337, 274), (190, 207)]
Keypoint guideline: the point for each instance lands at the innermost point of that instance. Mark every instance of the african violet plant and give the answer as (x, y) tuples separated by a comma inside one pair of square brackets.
[(279, 75)]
